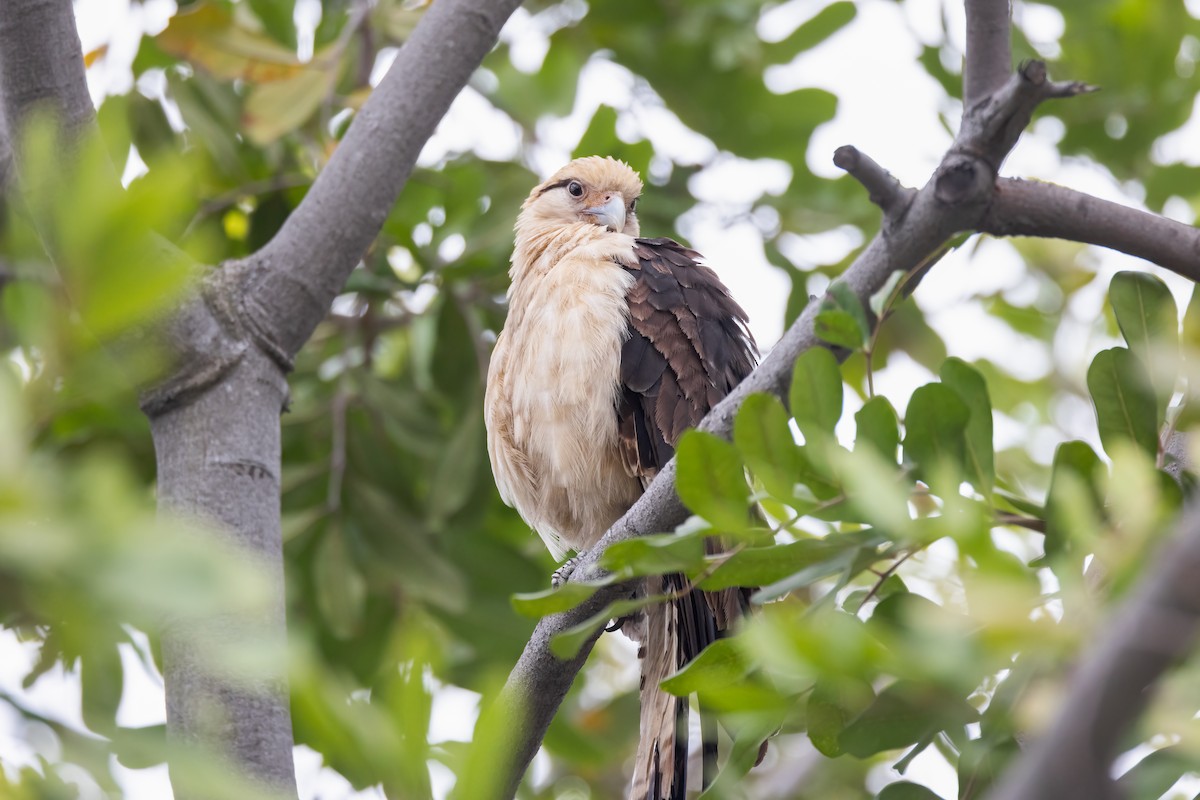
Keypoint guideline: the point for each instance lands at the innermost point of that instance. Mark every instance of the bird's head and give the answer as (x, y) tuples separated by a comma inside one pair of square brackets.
[(597, 190)]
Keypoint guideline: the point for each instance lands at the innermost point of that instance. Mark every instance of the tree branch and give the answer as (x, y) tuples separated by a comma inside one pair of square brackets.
[(298, 273), (989, 49), (1155, 627), (889, 194), (41, 66), (1033, 208)]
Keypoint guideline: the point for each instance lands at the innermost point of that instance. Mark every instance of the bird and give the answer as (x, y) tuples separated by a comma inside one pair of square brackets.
[(614, 345)]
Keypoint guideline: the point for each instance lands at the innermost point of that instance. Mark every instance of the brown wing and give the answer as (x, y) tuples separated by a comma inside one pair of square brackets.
[(688, 346)]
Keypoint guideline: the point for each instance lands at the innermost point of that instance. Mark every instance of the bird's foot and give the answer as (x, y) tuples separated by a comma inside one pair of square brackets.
[(563, 573)]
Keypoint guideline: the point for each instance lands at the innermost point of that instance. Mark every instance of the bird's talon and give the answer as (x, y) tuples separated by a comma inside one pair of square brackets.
[(563, 573)]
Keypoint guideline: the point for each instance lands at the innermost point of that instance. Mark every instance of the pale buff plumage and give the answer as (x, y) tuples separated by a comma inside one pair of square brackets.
[(553, 380)]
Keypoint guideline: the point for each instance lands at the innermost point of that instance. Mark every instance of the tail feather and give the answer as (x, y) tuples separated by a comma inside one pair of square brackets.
[(660, 768), (675, 632), (708, 741)]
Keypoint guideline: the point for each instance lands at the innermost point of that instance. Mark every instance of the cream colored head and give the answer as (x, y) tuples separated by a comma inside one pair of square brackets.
[(597, 190)]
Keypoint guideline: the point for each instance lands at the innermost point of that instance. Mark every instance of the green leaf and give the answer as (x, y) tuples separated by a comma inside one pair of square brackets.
[(1125, 406), (209, 37), (878, 301), (555, 601), (832, 704), (762, 435), (277, 20), (904, 713), (717, 667), (1191, 325), (971, 388), (601, 138), (981, 762), (878, 428), (1158, 772), (816, 394), (815, 474), (566, 644), (876, 490), (341, 589), (842, 320), (550, 90), (853, 553), (760, 566), (935, 427), (826, 22), (711, 480), (102, 681), (655, 555), (838, 328), (1149, 321), (457, 471), (1075, 501), (141, 748), (906, 790)]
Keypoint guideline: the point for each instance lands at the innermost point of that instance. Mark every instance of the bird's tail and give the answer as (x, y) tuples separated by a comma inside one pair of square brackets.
[(675, 632)]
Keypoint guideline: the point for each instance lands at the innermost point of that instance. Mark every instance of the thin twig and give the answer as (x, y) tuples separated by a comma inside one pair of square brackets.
[(1020, 521), (889, 572), (224, 200), (885, 191)]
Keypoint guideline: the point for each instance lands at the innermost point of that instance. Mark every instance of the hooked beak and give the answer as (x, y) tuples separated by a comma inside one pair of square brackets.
[(611, 215)]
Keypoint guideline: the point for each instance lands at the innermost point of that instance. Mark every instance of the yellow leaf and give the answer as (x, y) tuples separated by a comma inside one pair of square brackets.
[(210, 38), (359, 96), (94, 56), (278, 108)]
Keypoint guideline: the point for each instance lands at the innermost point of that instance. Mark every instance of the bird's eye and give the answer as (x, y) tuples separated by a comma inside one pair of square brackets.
[(633, 205), (575, 188)]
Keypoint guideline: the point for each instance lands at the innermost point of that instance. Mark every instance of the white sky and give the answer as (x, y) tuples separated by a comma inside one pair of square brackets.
[(889, 86)]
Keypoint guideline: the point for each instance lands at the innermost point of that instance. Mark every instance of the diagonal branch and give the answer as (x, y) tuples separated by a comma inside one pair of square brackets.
[(298, 273), (1155, 627)]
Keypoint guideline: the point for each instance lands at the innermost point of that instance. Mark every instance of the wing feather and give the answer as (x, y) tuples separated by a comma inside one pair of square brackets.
[(688, 346)]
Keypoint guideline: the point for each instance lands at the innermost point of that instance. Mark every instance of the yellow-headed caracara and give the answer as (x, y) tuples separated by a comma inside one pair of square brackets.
[(613, 347)]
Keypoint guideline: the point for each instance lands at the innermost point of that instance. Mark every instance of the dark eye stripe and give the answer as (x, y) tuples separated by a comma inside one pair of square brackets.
[(556, 185)]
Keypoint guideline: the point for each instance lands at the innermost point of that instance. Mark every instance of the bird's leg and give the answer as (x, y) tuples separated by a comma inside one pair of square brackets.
[(563, 573)]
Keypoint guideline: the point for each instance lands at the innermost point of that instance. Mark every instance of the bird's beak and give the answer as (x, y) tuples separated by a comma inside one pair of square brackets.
[(611, 215)]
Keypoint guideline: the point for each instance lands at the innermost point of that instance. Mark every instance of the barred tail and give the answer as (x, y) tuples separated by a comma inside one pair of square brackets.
[(660, 769), (675, 633)]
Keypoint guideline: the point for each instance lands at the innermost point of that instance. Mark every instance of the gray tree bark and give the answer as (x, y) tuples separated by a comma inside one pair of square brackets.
[(215, 419)]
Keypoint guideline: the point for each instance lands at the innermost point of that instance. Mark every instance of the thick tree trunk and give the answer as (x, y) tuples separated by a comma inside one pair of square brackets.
[(218, 461)]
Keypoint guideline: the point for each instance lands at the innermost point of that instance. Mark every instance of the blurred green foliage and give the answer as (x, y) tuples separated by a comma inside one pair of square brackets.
[(925, 582)]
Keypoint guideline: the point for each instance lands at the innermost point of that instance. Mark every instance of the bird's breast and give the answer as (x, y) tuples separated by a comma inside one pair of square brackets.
[(561, 350)]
